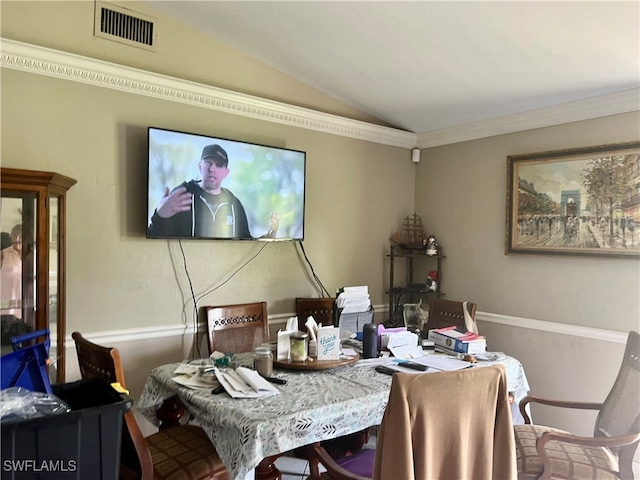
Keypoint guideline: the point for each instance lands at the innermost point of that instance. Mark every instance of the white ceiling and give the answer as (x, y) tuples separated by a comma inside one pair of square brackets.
[(423, 66)]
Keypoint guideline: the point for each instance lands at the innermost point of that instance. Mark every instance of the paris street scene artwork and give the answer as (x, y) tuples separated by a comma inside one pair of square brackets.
[(580, 201)]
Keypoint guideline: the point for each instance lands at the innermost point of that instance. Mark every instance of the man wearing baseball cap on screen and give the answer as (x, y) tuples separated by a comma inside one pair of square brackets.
[(202, 208)]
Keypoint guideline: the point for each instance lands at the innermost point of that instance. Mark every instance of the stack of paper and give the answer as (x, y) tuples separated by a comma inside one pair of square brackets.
[(404, 345), (385, 333), (353, 299), (443, 363), (453, 340), (353, 310), (198, 376), (244, 383)]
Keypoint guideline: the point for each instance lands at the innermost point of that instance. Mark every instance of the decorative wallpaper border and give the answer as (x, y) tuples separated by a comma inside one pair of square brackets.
[(45, 61)]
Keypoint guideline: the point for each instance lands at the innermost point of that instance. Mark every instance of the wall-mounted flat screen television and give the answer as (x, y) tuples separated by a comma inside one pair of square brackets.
[(213, 188)]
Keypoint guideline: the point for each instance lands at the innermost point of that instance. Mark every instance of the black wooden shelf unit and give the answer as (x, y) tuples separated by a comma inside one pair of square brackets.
[(410, 289)]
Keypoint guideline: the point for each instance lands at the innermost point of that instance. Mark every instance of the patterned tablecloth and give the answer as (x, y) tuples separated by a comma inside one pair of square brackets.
[(312, 406)]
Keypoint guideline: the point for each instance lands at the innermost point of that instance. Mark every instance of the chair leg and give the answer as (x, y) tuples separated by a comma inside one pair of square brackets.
[(314, 469), (267, 470)]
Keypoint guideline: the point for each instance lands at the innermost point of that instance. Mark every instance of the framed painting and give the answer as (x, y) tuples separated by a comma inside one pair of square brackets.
[(579, 201)]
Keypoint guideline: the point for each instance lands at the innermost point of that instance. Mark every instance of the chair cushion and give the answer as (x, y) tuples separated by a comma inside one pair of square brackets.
[(360, 463), (184, 453), (568, 461)]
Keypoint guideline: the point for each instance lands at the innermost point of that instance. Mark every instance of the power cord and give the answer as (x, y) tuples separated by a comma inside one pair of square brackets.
[(234, 273), (193, 297), (196, 346), (313, 273), (195, 300)]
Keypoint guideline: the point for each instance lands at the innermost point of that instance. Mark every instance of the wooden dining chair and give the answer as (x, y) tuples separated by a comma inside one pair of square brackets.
[(545, 452), (321, 309), (237, 328), (445, 313), (454, 424), (178, 453)]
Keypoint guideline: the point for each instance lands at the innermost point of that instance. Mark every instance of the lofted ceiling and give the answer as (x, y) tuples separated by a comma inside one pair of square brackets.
[(425, 66)]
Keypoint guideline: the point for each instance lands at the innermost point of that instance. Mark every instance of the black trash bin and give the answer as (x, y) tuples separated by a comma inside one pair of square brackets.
[(83, 444)]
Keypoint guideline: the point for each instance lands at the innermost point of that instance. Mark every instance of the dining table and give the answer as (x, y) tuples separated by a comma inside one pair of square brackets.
[(313, 405)]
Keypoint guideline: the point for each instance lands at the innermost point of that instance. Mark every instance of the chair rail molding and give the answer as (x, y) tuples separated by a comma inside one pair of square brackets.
[(55, 63), (280, 319), (554, 327)]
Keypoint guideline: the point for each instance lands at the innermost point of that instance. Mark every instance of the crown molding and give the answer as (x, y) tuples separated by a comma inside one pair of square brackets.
[(55, 63), (600, 106)]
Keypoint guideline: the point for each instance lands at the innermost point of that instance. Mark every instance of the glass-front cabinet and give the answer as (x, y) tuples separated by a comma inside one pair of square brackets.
[(32, 283)]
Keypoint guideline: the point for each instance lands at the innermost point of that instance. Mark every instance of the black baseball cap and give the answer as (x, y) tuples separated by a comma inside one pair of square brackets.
[(215, 151)]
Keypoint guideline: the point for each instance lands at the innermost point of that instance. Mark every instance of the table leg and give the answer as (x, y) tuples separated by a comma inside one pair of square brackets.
[(170, 413), (267, 470)]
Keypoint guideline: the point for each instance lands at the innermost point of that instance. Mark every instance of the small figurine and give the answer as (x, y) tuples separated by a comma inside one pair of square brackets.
[(432, 245), (432, 281)]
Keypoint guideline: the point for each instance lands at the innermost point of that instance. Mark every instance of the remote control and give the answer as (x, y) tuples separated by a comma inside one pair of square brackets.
[(279, 381), (385, 370), (414, 366)]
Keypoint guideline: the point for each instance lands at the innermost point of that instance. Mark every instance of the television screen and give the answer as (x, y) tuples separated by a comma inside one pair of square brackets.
[(215, 188)]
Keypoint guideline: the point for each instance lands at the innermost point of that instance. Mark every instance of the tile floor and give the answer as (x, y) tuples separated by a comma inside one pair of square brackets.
[(293, 468), (290, 467)]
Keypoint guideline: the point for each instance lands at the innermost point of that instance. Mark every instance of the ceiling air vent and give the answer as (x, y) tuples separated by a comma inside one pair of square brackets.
[(124, 26)]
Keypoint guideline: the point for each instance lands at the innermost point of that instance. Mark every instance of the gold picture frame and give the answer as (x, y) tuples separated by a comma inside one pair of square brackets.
[(579, 201)]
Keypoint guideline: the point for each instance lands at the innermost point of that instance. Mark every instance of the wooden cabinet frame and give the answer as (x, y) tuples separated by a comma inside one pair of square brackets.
[(43, 195)]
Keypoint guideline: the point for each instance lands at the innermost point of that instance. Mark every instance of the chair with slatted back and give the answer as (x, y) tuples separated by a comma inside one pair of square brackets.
[(178, 453), (237, 328), (445, 313), (321, 309), (546, 453)]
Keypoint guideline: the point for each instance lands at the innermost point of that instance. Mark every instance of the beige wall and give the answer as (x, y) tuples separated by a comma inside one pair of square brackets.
[(181, 51), (556, 314), (461, 194), (357, 194), (357, 191)]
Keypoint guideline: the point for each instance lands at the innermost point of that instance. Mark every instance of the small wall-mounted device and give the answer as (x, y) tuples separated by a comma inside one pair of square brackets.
[(415, 155)]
